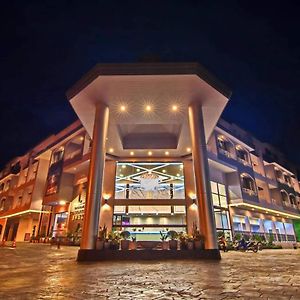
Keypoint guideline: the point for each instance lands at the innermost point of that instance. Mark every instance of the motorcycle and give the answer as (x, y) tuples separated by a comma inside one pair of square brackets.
[(247, 246)]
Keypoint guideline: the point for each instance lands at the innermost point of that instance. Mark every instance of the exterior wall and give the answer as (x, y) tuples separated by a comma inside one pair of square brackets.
[(24, 188)]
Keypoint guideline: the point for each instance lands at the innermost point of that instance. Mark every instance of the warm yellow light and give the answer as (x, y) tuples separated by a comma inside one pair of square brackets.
[(138, 170), (131, 153), (123, 108), (188, 149), (167, 153), (81, 138), (192, 196), (174, 107), (148, 108), (178, 175), (164, 171), (111, 150), (123, 166), (62, 202), (149, 153), (106, 196)]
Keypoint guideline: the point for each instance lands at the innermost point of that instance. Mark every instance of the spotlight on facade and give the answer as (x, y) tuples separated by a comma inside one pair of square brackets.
[(131, 153), (106, 198), (174, 107), (167, 153), (149, 153), (110, 150), (148, 108), (188, 149), (122, 108)]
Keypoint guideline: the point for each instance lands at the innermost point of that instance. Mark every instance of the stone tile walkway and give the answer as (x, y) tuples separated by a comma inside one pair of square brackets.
[(38, 272)]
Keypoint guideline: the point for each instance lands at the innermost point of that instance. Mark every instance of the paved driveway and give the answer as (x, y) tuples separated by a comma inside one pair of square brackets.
[(38, 272)]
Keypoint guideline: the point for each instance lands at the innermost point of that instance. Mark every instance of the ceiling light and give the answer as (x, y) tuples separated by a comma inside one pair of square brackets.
[(167, 152), (148, 108), (138, 170), (188, 149), (123, 166), (174, 107), (164, 171), (111, 150), (150, 153), (123, 108), (131, 153)]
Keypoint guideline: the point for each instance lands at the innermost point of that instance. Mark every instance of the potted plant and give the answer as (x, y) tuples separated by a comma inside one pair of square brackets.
[(198, 238), (183, 240), (133, 244), (101, 238), (114, 240), (163, 238), (125, 235), (172, 235), (190, 242)]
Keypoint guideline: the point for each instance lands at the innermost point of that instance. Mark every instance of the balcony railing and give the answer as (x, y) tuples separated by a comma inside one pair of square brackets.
[(225, 152), (244, 162), (249, 192)]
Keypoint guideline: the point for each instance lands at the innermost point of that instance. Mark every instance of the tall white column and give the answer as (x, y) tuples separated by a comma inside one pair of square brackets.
[(202, 181), (95, 179)]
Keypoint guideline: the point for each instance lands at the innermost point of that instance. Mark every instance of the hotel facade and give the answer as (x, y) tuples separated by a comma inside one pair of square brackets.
[(148, 154)]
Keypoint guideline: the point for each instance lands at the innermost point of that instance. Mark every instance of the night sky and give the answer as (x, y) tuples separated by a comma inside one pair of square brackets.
[(46, 46)]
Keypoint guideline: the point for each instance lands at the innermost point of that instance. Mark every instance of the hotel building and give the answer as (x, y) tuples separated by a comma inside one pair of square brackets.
[(149, 153)]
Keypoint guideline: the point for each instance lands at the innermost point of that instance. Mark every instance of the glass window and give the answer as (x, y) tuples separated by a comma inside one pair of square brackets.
[(222, 219), (149, 180), (219, 194)]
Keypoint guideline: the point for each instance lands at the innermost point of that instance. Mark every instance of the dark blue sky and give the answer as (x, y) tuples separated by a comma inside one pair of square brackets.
[(48, 45)]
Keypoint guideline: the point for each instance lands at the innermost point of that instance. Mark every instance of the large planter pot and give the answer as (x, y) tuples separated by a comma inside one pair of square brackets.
[(132, 245), (99, 244), (106, 244), (125, 244), (114, 245), (199, 245), (165, 245), (190, 245), (183, 245), (173, 244)]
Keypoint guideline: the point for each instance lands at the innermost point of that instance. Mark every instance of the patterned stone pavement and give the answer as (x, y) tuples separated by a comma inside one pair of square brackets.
[(38, 272)]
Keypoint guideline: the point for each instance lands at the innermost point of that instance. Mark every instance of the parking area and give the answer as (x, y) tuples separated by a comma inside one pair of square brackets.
[(36, 271)]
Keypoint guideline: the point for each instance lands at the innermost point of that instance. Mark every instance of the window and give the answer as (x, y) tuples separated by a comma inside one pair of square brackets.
[(284, 197), (293, 199), (224, 145), (254, 225), (2, 204), (222, 219), (239, 223), (218, 194), (278, 173), (149, 180), (242, 154), (248, 184), (287, 179), (57, 155)]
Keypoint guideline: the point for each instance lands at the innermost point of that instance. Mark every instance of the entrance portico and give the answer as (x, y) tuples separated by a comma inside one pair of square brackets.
[(149, 113)]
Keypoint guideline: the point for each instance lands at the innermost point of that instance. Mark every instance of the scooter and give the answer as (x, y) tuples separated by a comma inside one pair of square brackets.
[(242, 245)]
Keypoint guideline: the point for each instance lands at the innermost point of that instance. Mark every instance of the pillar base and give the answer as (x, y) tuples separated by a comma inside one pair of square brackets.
[(148, 254)]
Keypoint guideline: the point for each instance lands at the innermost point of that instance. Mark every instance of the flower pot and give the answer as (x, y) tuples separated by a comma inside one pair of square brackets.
[(132, 245), (165, 245), (99, 244), (173, 244), (106, 244), (183, 245), (199, 245), (190, 245), (125, 244)]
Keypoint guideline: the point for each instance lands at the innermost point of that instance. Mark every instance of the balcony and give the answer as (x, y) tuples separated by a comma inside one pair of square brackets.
[(249, 192)]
